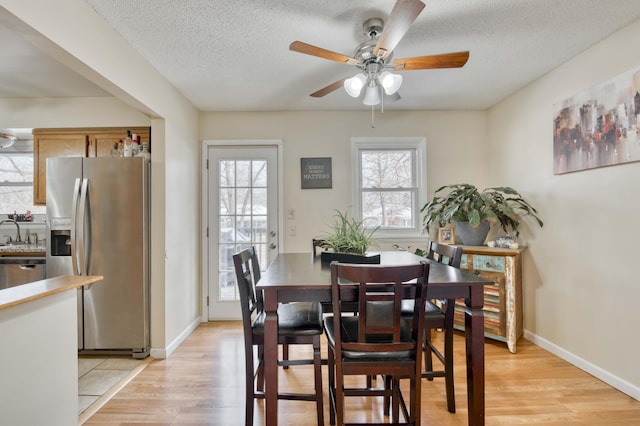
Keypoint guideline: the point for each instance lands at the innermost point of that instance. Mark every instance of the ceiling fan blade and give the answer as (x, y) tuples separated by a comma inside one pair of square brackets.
[(328, 89), (404, 13), (308, 49), (446, 60)]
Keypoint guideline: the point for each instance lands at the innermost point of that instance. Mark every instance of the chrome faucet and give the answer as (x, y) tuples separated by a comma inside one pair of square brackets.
[(19, 238)]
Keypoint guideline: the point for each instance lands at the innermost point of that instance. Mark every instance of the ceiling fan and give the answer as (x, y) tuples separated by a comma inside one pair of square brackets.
[(373, 57)]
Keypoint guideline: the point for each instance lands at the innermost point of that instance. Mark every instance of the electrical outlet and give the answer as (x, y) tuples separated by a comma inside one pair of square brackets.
[(292, 230)]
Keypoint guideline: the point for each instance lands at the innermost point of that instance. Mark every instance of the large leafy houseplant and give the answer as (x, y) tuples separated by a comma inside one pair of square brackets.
[(349, 235), (465, 203)]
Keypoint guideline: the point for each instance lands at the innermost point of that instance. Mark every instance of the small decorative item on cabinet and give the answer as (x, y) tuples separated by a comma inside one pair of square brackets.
[(446, 235), (503, 319)]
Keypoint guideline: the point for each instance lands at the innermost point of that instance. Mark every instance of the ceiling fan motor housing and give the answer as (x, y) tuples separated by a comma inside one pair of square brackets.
[(372, 27)]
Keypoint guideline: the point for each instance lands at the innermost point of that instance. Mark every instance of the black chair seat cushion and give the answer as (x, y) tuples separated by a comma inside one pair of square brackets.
[(349, 332), (294, 319), (431, 310)]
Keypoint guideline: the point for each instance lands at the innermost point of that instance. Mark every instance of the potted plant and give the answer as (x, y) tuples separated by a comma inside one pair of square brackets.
[(350, 240), (464, 204)]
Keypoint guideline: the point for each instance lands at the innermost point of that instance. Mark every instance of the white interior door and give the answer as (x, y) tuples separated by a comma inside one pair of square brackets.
[(242, 212)]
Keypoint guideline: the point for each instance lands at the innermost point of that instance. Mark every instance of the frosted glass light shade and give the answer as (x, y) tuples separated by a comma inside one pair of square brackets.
[(372, 95), (354, 85), (390, 82)]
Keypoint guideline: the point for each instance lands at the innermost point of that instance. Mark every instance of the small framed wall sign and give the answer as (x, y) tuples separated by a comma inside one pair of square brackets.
[(315, 172), (446, 235)]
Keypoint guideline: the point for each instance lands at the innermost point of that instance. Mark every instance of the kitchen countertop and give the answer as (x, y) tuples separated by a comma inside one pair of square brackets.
[(23, 250), (18, 295)]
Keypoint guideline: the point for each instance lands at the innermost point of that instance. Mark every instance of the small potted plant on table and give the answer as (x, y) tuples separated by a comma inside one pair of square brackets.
[(349, 240)]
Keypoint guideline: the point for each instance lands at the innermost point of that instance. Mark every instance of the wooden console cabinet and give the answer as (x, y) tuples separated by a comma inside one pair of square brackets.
[(503, 299), (80, 142)]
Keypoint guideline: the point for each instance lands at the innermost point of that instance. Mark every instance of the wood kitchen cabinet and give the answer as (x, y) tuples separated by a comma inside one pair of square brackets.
[(76, 142), (503, 299)]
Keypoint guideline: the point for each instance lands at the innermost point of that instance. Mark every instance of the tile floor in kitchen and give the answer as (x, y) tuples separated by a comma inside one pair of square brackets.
[(97, 375)]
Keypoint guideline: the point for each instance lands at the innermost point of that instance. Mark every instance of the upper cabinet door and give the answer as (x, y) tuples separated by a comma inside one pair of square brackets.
[(45, 146)]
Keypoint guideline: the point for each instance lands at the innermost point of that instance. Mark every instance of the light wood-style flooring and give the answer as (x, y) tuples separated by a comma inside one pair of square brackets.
[(202, 383)]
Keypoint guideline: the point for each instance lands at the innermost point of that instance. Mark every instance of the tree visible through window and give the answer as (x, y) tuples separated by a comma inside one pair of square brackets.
[(388, 181), (16, 184)]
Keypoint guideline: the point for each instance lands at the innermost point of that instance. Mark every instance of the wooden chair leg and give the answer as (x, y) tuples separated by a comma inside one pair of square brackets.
[(285, 355), (339, 392), (387, 397), (332, 386), (249, 384), (426, 351), (395, 399), (260, 370), (317, 367), (448, 357)]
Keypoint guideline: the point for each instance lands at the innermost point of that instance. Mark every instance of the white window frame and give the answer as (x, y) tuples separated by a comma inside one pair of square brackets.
[(419, 144)]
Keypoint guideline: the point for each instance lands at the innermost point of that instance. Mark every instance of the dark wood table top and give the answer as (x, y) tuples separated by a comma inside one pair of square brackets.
[(291, 271)]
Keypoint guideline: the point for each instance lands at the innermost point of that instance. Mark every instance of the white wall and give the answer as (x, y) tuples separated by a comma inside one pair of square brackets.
[(580, 286), (75, 35), (450, 134)]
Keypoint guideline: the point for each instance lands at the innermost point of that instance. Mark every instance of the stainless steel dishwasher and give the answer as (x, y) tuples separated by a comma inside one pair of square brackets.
[(17, 270)]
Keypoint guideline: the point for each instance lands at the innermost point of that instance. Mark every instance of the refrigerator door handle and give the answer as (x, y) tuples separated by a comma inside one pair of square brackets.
[(74, 223), (82, 243)]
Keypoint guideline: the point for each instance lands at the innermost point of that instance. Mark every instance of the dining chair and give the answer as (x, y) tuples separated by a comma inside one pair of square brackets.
[(378, 341), (439, 317), (299, 323), (317, 243)]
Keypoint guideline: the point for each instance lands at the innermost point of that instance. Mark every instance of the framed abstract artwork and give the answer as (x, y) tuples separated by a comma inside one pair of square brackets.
[(599, 126)]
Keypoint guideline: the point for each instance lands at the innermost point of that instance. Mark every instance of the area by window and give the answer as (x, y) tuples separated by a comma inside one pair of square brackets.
[(389, 183), (16, 184)]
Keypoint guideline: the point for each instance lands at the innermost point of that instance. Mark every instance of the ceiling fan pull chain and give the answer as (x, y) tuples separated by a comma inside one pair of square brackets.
[(373, 124)]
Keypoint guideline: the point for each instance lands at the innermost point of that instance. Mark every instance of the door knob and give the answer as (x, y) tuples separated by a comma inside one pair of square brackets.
[(272, 233), (272, 246)]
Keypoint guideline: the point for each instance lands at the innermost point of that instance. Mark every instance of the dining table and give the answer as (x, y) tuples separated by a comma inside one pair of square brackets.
[(295, 277)]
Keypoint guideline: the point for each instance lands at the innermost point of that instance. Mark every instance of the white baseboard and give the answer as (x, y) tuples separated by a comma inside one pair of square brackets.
[(610, 379), (162, 353)]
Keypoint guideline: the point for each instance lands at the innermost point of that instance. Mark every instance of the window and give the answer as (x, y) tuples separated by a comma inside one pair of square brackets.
[(389, 181), (16, 183)]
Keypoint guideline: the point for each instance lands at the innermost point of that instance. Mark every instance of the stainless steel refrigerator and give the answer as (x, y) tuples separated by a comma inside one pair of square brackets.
[(98, 224)]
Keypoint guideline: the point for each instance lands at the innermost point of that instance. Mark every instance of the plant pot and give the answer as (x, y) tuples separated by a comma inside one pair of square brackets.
[(328, 257), (470, 236)]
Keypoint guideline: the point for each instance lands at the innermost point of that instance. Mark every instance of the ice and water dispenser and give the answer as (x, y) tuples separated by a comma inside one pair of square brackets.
[(60, 238)]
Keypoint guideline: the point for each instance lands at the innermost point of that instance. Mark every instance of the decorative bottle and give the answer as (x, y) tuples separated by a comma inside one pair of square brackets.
[(128, 150), (135, 144), (144, 152)]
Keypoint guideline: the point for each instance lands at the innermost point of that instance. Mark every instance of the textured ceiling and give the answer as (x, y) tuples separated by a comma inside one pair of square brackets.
[(234, 56)]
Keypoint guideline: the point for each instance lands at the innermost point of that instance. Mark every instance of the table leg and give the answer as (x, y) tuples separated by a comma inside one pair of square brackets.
[(474, 326), (271, 356)]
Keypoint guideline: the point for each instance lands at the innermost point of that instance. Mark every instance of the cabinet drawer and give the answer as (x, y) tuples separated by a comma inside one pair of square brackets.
[(480, 262)]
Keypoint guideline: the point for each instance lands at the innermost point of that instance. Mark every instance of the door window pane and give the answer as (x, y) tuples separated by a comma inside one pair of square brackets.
[(243, 216)]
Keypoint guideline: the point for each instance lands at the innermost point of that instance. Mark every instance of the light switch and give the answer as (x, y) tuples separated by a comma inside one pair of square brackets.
[(291, 214)]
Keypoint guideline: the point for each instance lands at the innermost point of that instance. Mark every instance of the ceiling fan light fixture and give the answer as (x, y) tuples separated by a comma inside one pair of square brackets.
[(354, 85), (390, 82), (372, 95)]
